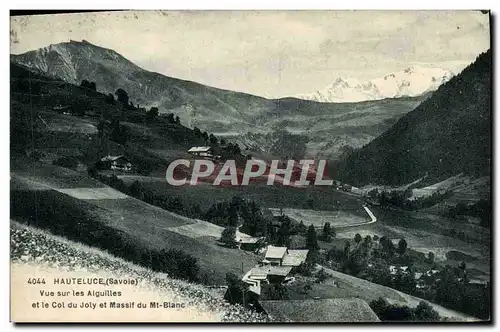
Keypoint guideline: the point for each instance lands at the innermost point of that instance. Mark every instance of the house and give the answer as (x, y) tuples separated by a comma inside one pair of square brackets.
[(346, 187), (120, 163), (282, 256), (253, 282), (276, 213), (420, 284), (265, 274), (393, 270), (275, 216), (202, 151), (272, 274), (63, 109), (320, 310), (430, 273), (295, 257), (275, 255)]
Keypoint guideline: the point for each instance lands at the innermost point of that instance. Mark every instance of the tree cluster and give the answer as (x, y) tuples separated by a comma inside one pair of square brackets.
[(481, 209), (88, 85), (395, 313)]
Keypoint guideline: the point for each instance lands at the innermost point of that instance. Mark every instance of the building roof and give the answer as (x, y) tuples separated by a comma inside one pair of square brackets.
[(112, 158), (276, 212), (199, 149), (275, 252), (264, 271), (61, 107), (321, 310), (295, 257), (250, 240)]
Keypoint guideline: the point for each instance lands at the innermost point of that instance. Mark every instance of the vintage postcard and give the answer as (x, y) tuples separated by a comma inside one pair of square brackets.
[(251, 166)]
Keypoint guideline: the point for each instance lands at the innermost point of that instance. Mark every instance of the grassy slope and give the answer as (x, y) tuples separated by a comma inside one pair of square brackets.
[(132, 221), (29, 245)]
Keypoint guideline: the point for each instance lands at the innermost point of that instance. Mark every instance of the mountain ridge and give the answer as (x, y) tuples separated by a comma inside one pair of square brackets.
[(217, 110), (409, 82), (447, 134)]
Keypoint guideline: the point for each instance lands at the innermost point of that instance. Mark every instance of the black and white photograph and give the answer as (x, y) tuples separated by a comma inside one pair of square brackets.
[(251, 166)]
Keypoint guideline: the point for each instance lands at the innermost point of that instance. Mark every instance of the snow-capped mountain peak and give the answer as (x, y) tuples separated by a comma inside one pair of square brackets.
[(409, 82)]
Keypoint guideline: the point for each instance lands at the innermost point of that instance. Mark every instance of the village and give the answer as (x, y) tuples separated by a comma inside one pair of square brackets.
[(286, 274), (269, 285)]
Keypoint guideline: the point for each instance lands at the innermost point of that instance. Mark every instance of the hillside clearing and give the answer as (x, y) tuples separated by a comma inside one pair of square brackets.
[(93, 193)]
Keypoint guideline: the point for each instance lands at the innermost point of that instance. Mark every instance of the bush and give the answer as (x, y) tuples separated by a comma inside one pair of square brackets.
[(322, 275), (110, 99), (389, 312), (67, 162), (275, 292), (175, 262), (228, 236), (235, 289), (152, 113), (92, 171), (424, 312), (122, 96), (305, 269)]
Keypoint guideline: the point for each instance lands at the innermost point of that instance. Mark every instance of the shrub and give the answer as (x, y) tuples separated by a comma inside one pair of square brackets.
[(122, 96), (110, 99), (389, 312), (235, 289), (92, 171), (322, 275)]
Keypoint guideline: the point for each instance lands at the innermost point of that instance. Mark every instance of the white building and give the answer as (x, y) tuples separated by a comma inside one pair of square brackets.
[(201, 151)]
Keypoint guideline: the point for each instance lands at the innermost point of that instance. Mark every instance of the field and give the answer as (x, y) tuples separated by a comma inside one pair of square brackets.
[(203, 229), (205, 195), (93, 193), (66, 123)]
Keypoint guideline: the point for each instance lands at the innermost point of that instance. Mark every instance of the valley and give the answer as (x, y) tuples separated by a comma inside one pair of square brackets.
[(65, 134)]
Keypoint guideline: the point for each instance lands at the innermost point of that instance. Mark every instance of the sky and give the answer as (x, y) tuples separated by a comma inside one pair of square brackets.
[(269, 53)]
